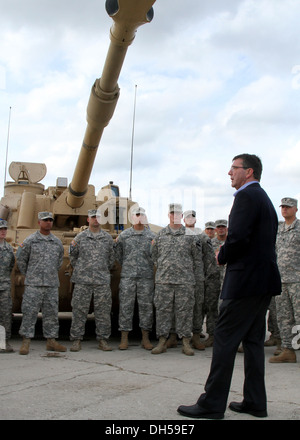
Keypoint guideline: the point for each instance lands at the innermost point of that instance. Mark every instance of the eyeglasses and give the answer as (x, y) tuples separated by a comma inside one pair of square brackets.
[(47, 219), (235, 168)]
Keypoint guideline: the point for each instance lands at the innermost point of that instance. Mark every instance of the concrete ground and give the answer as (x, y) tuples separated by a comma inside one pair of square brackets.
[(128, 385)]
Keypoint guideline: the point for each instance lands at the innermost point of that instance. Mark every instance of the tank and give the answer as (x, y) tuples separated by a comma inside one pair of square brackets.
[(25, 195)]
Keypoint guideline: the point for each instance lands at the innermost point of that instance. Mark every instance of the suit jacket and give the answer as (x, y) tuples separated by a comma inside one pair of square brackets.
[(249, 250)]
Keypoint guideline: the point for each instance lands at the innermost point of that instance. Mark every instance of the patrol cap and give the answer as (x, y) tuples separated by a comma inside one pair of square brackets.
[(93, 213), (138, 210), (189, 212), (210, 225), (44, 215), (3, 224), (221, 223), (175, 207), (288, 201)]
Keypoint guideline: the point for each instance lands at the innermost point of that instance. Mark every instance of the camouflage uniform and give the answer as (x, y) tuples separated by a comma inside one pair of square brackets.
[(132, 250), (92, 257), (39, 258), (175, 255), (216, 244), (7, 261), (212, 300), (288, 303), (206, 276), (272, 324)]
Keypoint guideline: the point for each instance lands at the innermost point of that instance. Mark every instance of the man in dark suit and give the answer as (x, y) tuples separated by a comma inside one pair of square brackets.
[(251, 279)]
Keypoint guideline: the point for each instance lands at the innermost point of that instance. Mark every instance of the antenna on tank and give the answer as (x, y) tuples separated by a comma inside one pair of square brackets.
[(132, 138), (7, 143)]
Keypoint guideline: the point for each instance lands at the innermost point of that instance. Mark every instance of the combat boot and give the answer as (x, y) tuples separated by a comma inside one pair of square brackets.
[(272, 341), (76, 346), (196, 342), (8, 348), (286, 356), (161, 346), (53, 345), (25, 346), (186, 348), (172, 341), (124, 341), (103, 345), (278, 350), (209, 341), (145, 340)]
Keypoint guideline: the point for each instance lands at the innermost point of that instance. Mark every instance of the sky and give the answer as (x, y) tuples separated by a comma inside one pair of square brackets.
[(204, 81)]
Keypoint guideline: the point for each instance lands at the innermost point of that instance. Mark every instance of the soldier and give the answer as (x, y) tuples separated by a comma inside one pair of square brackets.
[(132, 248), (218, 241), (288, 258), (39, 258), (210, 229), (175, 255), (7, 261), (92, 257), (212, 300), (273, 328), (221, 234), (206, 274)]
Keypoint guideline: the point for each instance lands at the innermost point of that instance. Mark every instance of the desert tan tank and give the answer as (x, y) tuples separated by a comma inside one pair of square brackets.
[(25, 196)]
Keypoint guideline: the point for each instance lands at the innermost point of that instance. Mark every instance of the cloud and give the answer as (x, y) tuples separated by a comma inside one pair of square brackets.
[(290, 161)]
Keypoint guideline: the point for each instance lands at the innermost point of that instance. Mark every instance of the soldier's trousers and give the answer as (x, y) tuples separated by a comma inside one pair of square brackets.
[(198, 314), (6, 311), (143, 290), (288, 312), (210, 305), (174, 300), (272, 319), (36, 299), (198, 307), (81, 300)]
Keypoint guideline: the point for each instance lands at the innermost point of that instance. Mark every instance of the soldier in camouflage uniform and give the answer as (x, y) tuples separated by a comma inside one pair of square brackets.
[(39, 258), (92, 257), (210, 229), (273, 328), (7, 261), (132, 250), (212, 300), (206, 274), (218, 241), (175, 255), (288, 259)]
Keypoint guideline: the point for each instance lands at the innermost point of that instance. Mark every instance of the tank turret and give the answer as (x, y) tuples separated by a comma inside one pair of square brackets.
[(25, 196)]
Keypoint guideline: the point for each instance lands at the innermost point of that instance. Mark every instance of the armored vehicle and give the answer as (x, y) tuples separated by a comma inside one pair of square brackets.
[(25, 196)]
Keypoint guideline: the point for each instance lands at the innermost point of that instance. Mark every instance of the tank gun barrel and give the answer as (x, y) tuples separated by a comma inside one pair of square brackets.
[(127, 15)]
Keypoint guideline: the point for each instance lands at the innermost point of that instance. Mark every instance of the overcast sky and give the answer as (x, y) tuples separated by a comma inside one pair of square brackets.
[(214, 78)]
